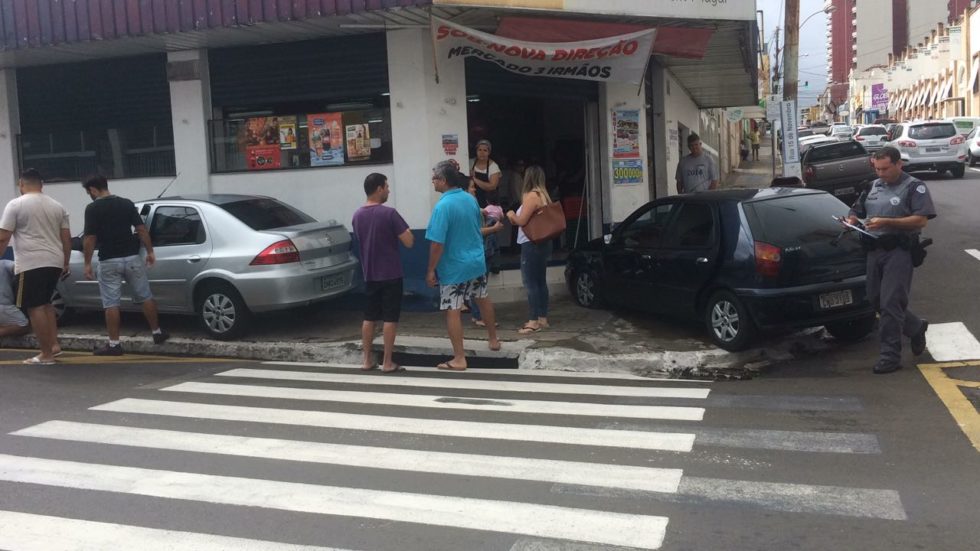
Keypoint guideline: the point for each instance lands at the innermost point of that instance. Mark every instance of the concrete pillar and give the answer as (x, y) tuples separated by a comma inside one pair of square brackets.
[(190, 109), (423, 112), (623, 198), (9, 130)]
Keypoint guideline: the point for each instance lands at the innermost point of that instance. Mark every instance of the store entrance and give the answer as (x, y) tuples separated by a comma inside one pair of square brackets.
[(527, 131)]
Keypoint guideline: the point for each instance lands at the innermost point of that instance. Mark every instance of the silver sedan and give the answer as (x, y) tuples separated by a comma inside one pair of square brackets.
[(225, 257)]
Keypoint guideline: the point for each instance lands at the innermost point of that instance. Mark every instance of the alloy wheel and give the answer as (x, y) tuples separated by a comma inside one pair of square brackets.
[(219, 313), (585, 289), (725, 321)]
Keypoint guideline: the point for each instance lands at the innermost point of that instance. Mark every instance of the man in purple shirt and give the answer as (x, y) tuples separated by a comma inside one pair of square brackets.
[(379, 229)]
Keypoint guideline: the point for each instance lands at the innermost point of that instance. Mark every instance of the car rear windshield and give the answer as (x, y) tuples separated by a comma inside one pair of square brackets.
[(266, 214), (872, 131), (835, 151), (932, 131), (794, 220)]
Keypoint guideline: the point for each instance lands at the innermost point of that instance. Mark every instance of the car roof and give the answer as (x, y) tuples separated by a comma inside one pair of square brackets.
[(213, 198), (746, 195)]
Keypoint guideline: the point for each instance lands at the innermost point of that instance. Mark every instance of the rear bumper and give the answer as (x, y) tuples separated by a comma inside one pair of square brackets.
[(914, 165), (796, 307), (282, 289)]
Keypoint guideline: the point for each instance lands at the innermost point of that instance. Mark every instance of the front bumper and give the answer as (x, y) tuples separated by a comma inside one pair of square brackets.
[(797, 307)]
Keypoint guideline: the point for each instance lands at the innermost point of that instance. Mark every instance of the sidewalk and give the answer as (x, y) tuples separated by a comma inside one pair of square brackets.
[(579, 339), (754, 174)]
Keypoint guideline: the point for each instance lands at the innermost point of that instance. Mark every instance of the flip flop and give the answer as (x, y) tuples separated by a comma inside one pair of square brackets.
[(528, 329), (36, 360), (446, 366), (58, 353), (372, 368), (397, 369)]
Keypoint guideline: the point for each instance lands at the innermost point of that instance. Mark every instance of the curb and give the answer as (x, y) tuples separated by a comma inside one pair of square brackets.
[(713, 363)]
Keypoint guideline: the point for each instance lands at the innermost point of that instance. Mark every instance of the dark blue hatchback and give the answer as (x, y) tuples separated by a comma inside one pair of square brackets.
[(740, 261)]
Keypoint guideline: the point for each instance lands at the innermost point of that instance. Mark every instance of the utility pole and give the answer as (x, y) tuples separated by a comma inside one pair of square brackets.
[(775, 78)]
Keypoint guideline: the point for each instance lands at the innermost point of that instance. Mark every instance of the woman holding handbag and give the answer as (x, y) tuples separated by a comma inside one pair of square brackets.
[(534, 255)]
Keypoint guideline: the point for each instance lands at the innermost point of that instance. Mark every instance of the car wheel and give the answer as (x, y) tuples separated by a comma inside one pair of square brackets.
[(62, 313), (970, 160), (851, 330), (222, 311), (958, 172), (585, 289), (728, 321)]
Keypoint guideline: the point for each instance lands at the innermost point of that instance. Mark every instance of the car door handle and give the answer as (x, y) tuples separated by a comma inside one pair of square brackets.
[(646, 257), (701, 260), (194, 259)]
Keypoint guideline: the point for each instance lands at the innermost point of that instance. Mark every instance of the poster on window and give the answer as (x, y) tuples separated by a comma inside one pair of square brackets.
[(264, 157), (326, 139), (358, 142), (626, 133), (287, 133), (261, 143)]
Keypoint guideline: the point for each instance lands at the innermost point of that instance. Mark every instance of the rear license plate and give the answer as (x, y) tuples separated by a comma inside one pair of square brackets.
[(933, 149), (328, 283), (836, 299), (844, 191)]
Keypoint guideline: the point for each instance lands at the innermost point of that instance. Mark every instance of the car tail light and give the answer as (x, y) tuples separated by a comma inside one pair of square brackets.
[(957, 140), (809, 173), (767, 259), (282, 252), (859, 138), (906, 143)]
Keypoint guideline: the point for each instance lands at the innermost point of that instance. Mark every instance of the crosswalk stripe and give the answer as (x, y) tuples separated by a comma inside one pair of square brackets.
[(681, 442), (974, 253), (516, 372), (547, 521), (29, 532), (676, 413), (951, 342), (647, 479), (473, 384)]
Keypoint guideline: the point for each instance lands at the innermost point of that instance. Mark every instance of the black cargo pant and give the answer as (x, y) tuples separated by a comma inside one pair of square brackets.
[(889, 282)]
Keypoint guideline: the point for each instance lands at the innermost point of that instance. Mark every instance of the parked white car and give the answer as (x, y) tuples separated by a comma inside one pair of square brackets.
[(973, 146), (872, 136), (931, 145), (841, 132)]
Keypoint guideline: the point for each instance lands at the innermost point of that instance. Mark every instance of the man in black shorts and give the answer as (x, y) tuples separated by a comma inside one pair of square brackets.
[(379, 229), (42, 249)]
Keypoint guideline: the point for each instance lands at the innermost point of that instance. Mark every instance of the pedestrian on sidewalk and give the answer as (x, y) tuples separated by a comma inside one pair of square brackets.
[(534, 256), (13, 322), (755, 138), (110, 223), (379, 229), (491, 216), (696, 172), (456, 259), (896, 209), (42, 249)]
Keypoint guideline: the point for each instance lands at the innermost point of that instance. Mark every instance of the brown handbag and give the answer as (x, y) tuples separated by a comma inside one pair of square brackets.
[(547, 223)]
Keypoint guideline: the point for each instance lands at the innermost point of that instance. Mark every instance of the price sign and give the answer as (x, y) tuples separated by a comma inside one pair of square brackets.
[(628, 172)]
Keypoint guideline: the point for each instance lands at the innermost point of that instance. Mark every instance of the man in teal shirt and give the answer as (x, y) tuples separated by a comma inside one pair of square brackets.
[(456, 260)]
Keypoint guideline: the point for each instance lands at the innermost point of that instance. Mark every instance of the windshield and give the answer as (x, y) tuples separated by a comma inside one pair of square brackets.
[(266, 214), (932, 131)]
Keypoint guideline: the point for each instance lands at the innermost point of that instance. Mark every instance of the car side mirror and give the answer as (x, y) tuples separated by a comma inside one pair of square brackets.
[(76, 244)]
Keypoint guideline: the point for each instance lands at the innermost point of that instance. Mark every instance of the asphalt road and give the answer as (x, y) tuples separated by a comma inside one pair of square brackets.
[(815, 454)]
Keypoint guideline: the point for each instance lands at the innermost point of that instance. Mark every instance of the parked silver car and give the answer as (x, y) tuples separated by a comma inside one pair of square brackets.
[(931, 145), (225, 257), (973, 146), (872, 136)]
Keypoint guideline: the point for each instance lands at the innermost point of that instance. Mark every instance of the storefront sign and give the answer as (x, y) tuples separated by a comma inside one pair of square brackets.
[(676, 9), (616, 59), (450, 144), (326, 139), (358, 142), (879, 96), (287, 132), (627, 172), (626, 133)]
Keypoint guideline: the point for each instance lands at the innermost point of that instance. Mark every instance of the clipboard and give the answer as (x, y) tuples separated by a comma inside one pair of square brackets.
[(847, 224)]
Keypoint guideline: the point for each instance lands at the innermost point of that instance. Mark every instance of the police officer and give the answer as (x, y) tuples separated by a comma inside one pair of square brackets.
[(896, 208)]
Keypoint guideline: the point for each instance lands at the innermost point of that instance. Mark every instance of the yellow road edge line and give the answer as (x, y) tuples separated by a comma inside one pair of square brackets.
[(959, 406), (968, 363)]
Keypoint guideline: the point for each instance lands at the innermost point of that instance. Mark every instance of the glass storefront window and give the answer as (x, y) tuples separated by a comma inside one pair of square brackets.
[(267, 140), (71, 155)]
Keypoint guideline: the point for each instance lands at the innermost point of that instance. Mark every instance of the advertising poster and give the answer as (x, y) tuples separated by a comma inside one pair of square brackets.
[(628, 172), (326, 139), (626, 133), (261, 139), (287, 132), (450, 144), (358, 142)]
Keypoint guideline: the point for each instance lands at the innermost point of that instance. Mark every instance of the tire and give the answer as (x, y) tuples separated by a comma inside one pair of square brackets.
[(223, 313), (62, 313), (851, 330), (728, 322), (970, 160), (959, 171), (585, 289)]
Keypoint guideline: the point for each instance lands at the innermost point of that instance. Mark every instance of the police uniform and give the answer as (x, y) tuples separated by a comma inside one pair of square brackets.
[(890, 261)]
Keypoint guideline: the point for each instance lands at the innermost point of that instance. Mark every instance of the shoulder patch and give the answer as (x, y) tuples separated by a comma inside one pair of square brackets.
[(921, 188)]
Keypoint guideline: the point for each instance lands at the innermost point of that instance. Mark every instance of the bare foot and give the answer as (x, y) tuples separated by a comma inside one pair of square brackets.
[(369, 367), (494, 345), (449, 366)]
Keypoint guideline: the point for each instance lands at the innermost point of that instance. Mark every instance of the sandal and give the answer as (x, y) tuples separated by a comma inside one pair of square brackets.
[(394, 369), (36, 360), (446, 366), (528, 329)]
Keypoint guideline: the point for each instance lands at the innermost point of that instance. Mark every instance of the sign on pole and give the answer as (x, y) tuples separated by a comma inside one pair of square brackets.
[(791, 144), (772, 107)]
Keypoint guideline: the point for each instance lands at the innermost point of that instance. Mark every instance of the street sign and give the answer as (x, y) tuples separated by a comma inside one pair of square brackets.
[(791, 144), (772, 107)]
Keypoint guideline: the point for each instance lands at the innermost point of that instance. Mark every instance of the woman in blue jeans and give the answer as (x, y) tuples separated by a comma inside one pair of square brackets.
[(534, 256)]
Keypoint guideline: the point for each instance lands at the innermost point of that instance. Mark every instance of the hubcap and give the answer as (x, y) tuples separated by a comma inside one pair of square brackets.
[(585, 289), (724, 321), (219, 313)]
